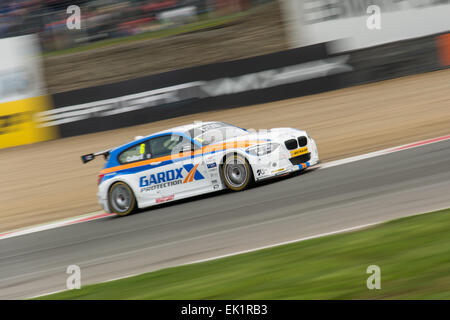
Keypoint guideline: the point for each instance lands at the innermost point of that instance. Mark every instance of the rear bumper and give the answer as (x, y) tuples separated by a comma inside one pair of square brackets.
[(103, 203)]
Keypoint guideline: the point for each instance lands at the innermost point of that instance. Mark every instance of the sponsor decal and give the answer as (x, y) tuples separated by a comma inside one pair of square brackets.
[(260, 172), (165, 199), (10, 122), (123, 104), (299, 152), (212, 165), (186, 173), (278, 170), (277, 77), (303, 165), (197, 90)]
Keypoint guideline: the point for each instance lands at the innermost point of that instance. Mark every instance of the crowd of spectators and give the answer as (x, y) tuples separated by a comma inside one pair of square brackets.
[(101, 19)]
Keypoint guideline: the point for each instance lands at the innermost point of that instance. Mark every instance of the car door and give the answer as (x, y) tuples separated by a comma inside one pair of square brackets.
[(135, 157), (177, 169)]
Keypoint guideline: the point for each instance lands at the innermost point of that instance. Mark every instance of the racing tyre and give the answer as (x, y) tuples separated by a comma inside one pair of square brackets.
[(237, 173), (121, 199)]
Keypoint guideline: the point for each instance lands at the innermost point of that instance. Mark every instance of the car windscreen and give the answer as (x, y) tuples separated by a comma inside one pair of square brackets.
[(215, 132)]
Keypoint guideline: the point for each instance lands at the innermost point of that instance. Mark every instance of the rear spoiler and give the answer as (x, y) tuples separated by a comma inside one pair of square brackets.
[(91, 156)]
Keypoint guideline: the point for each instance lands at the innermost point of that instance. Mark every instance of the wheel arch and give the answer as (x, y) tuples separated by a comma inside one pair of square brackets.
[(241, 153), (113, 182)]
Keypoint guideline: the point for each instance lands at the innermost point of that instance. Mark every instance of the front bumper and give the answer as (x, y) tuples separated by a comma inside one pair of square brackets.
[(270, 166)]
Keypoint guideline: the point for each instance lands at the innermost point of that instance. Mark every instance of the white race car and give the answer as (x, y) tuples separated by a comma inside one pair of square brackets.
[(195, 159)]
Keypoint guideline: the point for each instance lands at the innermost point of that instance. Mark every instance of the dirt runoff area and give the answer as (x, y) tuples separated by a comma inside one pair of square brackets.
[(47, 181)]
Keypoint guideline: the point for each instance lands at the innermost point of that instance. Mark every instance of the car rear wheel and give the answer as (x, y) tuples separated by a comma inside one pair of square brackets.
[(237, 173), (121, 199)]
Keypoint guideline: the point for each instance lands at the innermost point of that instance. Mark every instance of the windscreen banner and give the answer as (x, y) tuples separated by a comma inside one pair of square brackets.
[(357, 24), (22, 92)]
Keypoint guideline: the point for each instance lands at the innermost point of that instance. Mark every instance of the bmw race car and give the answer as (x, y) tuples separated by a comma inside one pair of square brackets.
[(195, 159)]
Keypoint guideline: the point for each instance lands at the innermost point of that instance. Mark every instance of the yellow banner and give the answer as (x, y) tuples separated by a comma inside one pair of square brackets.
[(18, 124)]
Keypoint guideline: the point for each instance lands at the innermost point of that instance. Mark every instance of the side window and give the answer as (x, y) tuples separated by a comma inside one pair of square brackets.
[(167, 145), (135, 153)]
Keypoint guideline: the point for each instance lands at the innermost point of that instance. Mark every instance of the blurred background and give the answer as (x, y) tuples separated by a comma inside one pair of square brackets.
[(121, 40), (108, 19)]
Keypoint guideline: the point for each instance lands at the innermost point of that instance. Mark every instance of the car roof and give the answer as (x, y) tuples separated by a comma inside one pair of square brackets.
[(179, 129), (185, 128)]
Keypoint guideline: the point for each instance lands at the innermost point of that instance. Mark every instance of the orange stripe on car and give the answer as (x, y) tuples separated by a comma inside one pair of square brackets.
[(206, 149)]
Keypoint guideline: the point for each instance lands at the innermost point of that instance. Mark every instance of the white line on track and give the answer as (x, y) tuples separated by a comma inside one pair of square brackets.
[(55, 224), (100, 214)]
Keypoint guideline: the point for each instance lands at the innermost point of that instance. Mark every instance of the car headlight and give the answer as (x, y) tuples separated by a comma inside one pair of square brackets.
[(262, 149)]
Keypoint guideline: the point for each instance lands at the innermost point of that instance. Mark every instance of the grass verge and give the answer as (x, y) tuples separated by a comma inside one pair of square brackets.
[(413, 254)]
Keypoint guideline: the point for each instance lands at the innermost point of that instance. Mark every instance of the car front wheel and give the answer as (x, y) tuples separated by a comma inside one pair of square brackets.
[(237, 173)]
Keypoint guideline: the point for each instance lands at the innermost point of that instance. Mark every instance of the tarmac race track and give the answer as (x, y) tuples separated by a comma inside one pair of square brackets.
[(320, 201)]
